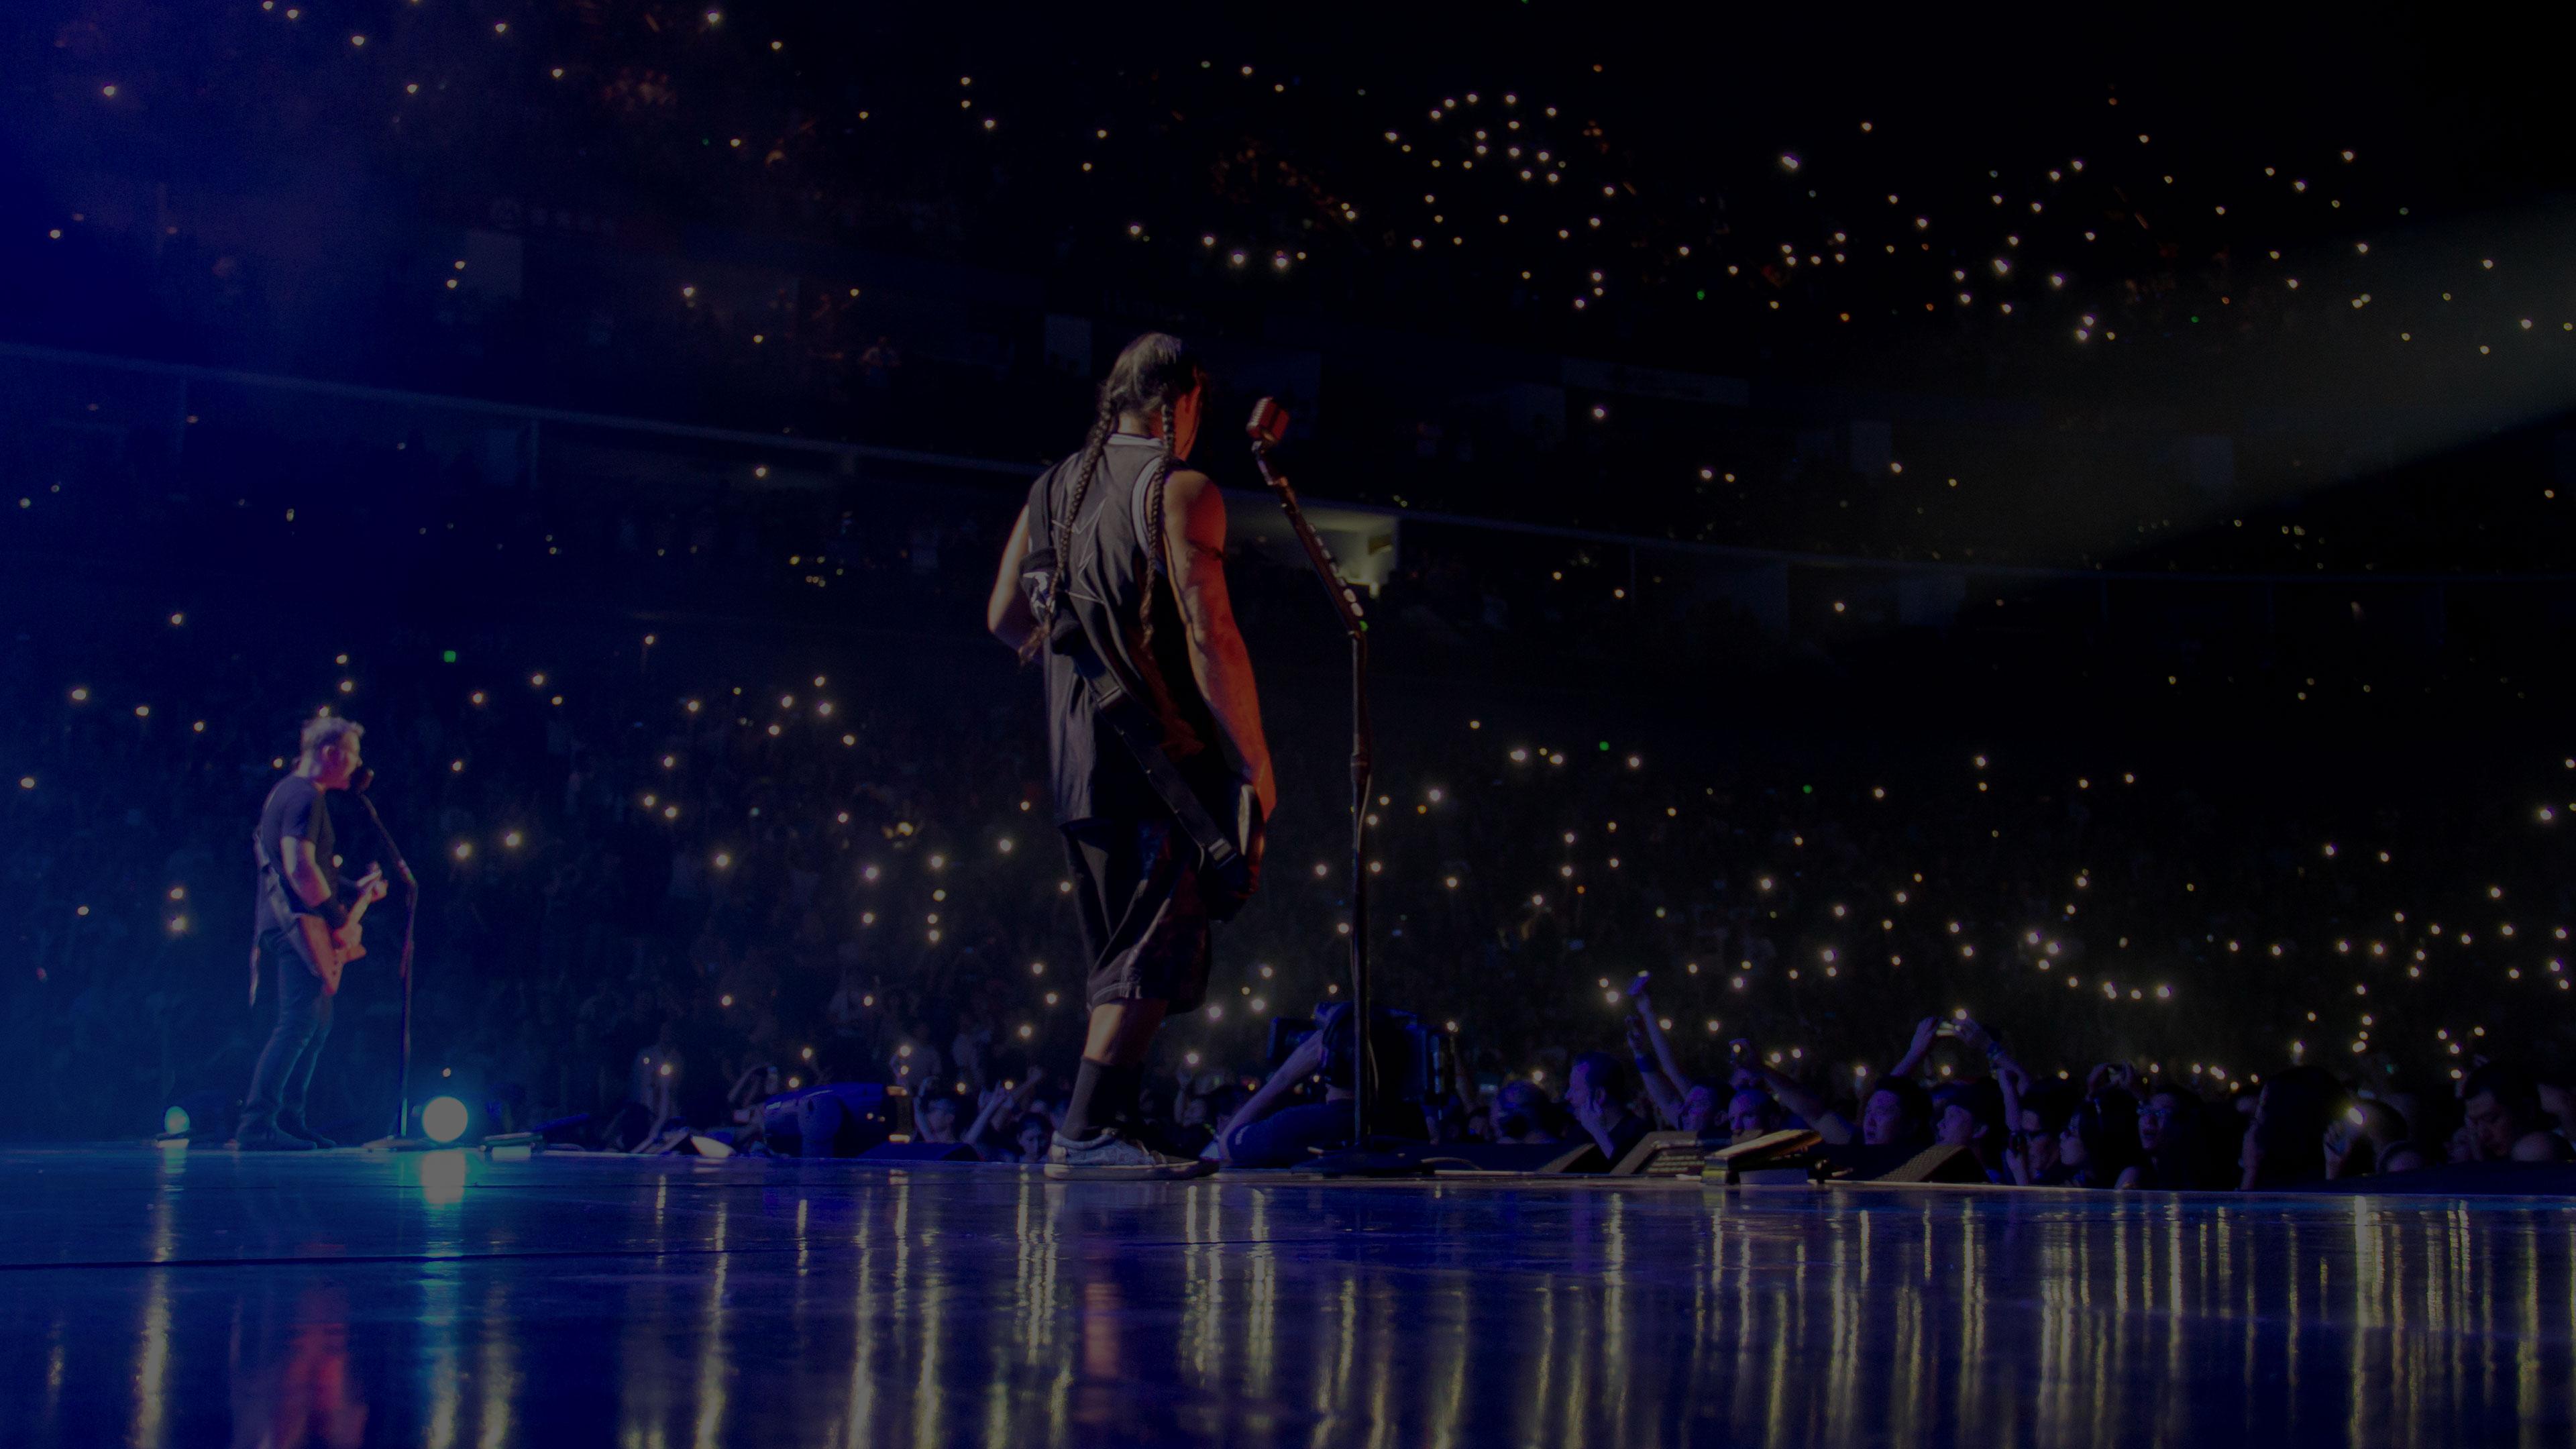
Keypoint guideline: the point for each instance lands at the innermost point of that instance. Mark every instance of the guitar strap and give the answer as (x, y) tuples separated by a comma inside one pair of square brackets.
[(1142, 734)]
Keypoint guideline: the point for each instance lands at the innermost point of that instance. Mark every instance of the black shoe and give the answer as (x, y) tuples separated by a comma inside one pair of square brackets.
[(270, 1142), (299, 1130)]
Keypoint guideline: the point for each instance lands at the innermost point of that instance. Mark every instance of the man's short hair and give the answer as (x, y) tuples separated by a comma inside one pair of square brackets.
[(1608, 1073), (2054, 1102), (2513, 1087), (1980, 1099), (940, 1104), (328, 730), (1910, 1097)]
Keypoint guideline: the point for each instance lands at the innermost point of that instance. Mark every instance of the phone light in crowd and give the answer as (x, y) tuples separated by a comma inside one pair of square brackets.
[(443, 1120), (464, 850)]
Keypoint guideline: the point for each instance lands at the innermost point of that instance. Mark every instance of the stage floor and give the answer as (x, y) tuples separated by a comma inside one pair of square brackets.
[(203, 1298)]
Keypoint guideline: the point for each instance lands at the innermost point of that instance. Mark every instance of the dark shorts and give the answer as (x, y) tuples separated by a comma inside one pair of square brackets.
[(1135, 884)]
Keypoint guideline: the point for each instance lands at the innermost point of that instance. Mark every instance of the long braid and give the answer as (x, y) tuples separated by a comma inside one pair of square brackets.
[(1154, 371), (1158, 563), (1093, 449)]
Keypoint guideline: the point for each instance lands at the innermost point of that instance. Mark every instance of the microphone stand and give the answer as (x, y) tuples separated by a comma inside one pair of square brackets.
[(399, 1141), (1366, 1156)]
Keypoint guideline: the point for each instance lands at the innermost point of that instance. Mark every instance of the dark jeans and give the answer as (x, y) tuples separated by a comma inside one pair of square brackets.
[(286, 1064)]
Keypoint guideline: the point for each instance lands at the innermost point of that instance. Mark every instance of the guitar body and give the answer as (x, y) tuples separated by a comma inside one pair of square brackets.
[(329, 952)]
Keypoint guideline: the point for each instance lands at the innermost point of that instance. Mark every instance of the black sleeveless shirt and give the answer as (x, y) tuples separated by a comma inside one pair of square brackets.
[(1112, 588)]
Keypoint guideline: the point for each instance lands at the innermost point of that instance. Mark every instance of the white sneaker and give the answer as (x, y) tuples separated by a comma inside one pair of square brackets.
[(1109, 1157)]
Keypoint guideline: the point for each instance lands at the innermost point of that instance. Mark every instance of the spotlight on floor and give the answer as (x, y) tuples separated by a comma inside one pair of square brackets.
[(443, 1120)]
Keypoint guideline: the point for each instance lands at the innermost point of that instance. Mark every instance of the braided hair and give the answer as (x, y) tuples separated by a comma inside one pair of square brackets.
[(1158, 562), (1155, 371)]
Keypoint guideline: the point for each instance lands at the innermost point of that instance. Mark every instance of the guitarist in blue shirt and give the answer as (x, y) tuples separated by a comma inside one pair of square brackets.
[(307, 923)]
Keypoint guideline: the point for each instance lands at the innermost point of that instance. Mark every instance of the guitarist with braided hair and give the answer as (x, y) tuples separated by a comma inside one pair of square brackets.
[(1114, 581)]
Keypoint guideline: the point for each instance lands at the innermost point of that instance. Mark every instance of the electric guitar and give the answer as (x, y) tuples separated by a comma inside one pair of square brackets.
[(330, 951)]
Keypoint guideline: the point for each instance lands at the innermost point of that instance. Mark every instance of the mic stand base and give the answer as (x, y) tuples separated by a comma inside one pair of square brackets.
[(1374, 1157)]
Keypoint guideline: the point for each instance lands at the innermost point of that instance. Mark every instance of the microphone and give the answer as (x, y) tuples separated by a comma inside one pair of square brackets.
[(359, 780), (1269, 425)]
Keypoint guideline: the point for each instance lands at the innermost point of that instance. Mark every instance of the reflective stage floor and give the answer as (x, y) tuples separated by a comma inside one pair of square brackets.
[(202, 1298)]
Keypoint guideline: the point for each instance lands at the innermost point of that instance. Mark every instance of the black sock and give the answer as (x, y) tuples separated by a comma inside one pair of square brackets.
[(1102, 1095)]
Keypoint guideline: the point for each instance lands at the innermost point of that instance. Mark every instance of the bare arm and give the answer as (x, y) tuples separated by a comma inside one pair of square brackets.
[(1306, 1060), (1925, 1033), (1811, 1109), (998, 1100), (994, 1100), (1194, 539), (1663, 1090), (1663, 1047), (1006, 612)]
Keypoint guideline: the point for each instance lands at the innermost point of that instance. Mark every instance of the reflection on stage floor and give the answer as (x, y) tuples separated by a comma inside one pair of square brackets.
[(172, 1297)]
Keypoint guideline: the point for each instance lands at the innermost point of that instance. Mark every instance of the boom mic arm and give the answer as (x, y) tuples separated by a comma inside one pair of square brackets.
[(1267, 429)]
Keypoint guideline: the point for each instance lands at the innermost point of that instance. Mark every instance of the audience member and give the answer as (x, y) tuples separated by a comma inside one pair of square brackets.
[(1598, 1095), (2501, 1105)]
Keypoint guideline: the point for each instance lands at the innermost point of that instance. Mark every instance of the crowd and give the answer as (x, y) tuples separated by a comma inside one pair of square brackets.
[(693, 830), (1584, 200), (785, 221)]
